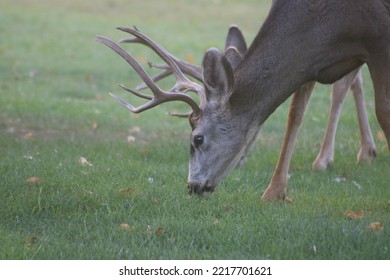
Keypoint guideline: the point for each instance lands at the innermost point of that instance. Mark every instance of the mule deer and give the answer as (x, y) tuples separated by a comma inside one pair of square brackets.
[(299, 43), (235, 50)]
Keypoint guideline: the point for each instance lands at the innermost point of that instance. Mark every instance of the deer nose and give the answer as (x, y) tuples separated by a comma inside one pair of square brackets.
[(195, 188), (199, 189)]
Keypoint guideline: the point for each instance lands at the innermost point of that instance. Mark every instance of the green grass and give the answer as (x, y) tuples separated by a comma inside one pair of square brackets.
[(54, 109)]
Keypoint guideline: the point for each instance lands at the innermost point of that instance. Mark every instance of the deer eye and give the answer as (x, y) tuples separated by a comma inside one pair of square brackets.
[(198, 140)]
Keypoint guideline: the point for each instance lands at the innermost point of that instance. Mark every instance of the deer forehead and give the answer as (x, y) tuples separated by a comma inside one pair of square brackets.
[(214, 120)]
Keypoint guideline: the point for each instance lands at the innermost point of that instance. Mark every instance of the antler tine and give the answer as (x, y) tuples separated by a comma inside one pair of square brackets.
[(157, 77), (135, 92), (183, 83), (159, 96), (131, 40), (186, 67)]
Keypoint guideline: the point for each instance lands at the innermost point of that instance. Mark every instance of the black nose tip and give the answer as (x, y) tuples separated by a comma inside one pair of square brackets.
[(195, 188), (199, 190)]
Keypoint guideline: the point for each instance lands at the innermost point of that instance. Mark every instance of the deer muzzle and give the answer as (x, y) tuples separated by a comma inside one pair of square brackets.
[(200, 189)]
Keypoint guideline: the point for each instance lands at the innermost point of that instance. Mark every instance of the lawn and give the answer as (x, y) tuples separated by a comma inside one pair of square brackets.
[(83, 178)]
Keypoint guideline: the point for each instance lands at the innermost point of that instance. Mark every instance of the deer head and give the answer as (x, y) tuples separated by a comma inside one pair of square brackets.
[(219, 136), (215, 147)]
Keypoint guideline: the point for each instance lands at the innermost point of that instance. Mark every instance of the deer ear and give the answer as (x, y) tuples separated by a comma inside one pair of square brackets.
[(236, 39), (218, 77), (233, 56)]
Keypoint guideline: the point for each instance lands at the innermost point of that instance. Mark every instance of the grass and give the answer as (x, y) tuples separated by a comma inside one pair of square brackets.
[(54, 109)]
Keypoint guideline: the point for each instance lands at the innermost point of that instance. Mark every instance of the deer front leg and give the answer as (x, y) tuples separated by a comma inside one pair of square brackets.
[(278, 186)]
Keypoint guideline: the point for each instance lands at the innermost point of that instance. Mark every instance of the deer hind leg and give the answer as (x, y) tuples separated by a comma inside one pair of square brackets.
[(339, 92), (367, 150), (380, 70), (277, 188)]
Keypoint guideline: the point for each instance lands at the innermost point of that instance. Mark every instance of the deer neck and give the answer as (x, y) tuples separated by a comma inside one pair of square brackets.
[(265, 80), (285, 56)]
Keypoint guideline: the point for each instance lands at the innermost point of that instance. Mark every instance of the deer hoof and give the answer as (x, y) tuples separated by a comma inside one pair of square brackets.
[(366, 155), (320, 165), (273, 195)]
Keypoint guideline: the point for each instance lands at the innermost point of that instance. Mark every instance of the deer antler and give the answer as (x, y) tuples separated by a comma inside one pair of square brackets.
[(186, 67), (159, 96)]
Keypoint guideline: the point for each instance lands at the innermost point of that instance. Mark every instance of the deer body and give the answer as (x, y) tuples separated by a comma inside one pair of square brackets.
[(312, 40), (344, 43), (299, 43)]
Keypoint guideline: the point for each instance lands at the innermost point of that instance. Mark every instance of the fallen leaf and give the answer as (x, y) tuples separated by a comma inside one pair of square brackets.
[(376, 226), (94, 125), (127, 192), (191, 58), (141, 58), (357, 185), (288, 200), (29, 136), (135, 129), (31, 240), (354, 215), (83, 161), (34, 180), (381, 136), (85, 193), (130, 138), (160, 231), (340, 179), (125, 227), (99, 97)]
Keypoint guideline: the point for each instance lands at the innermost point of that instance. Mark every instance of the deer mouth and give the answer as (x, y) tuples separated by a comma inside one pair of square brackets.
[(200, 190)]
